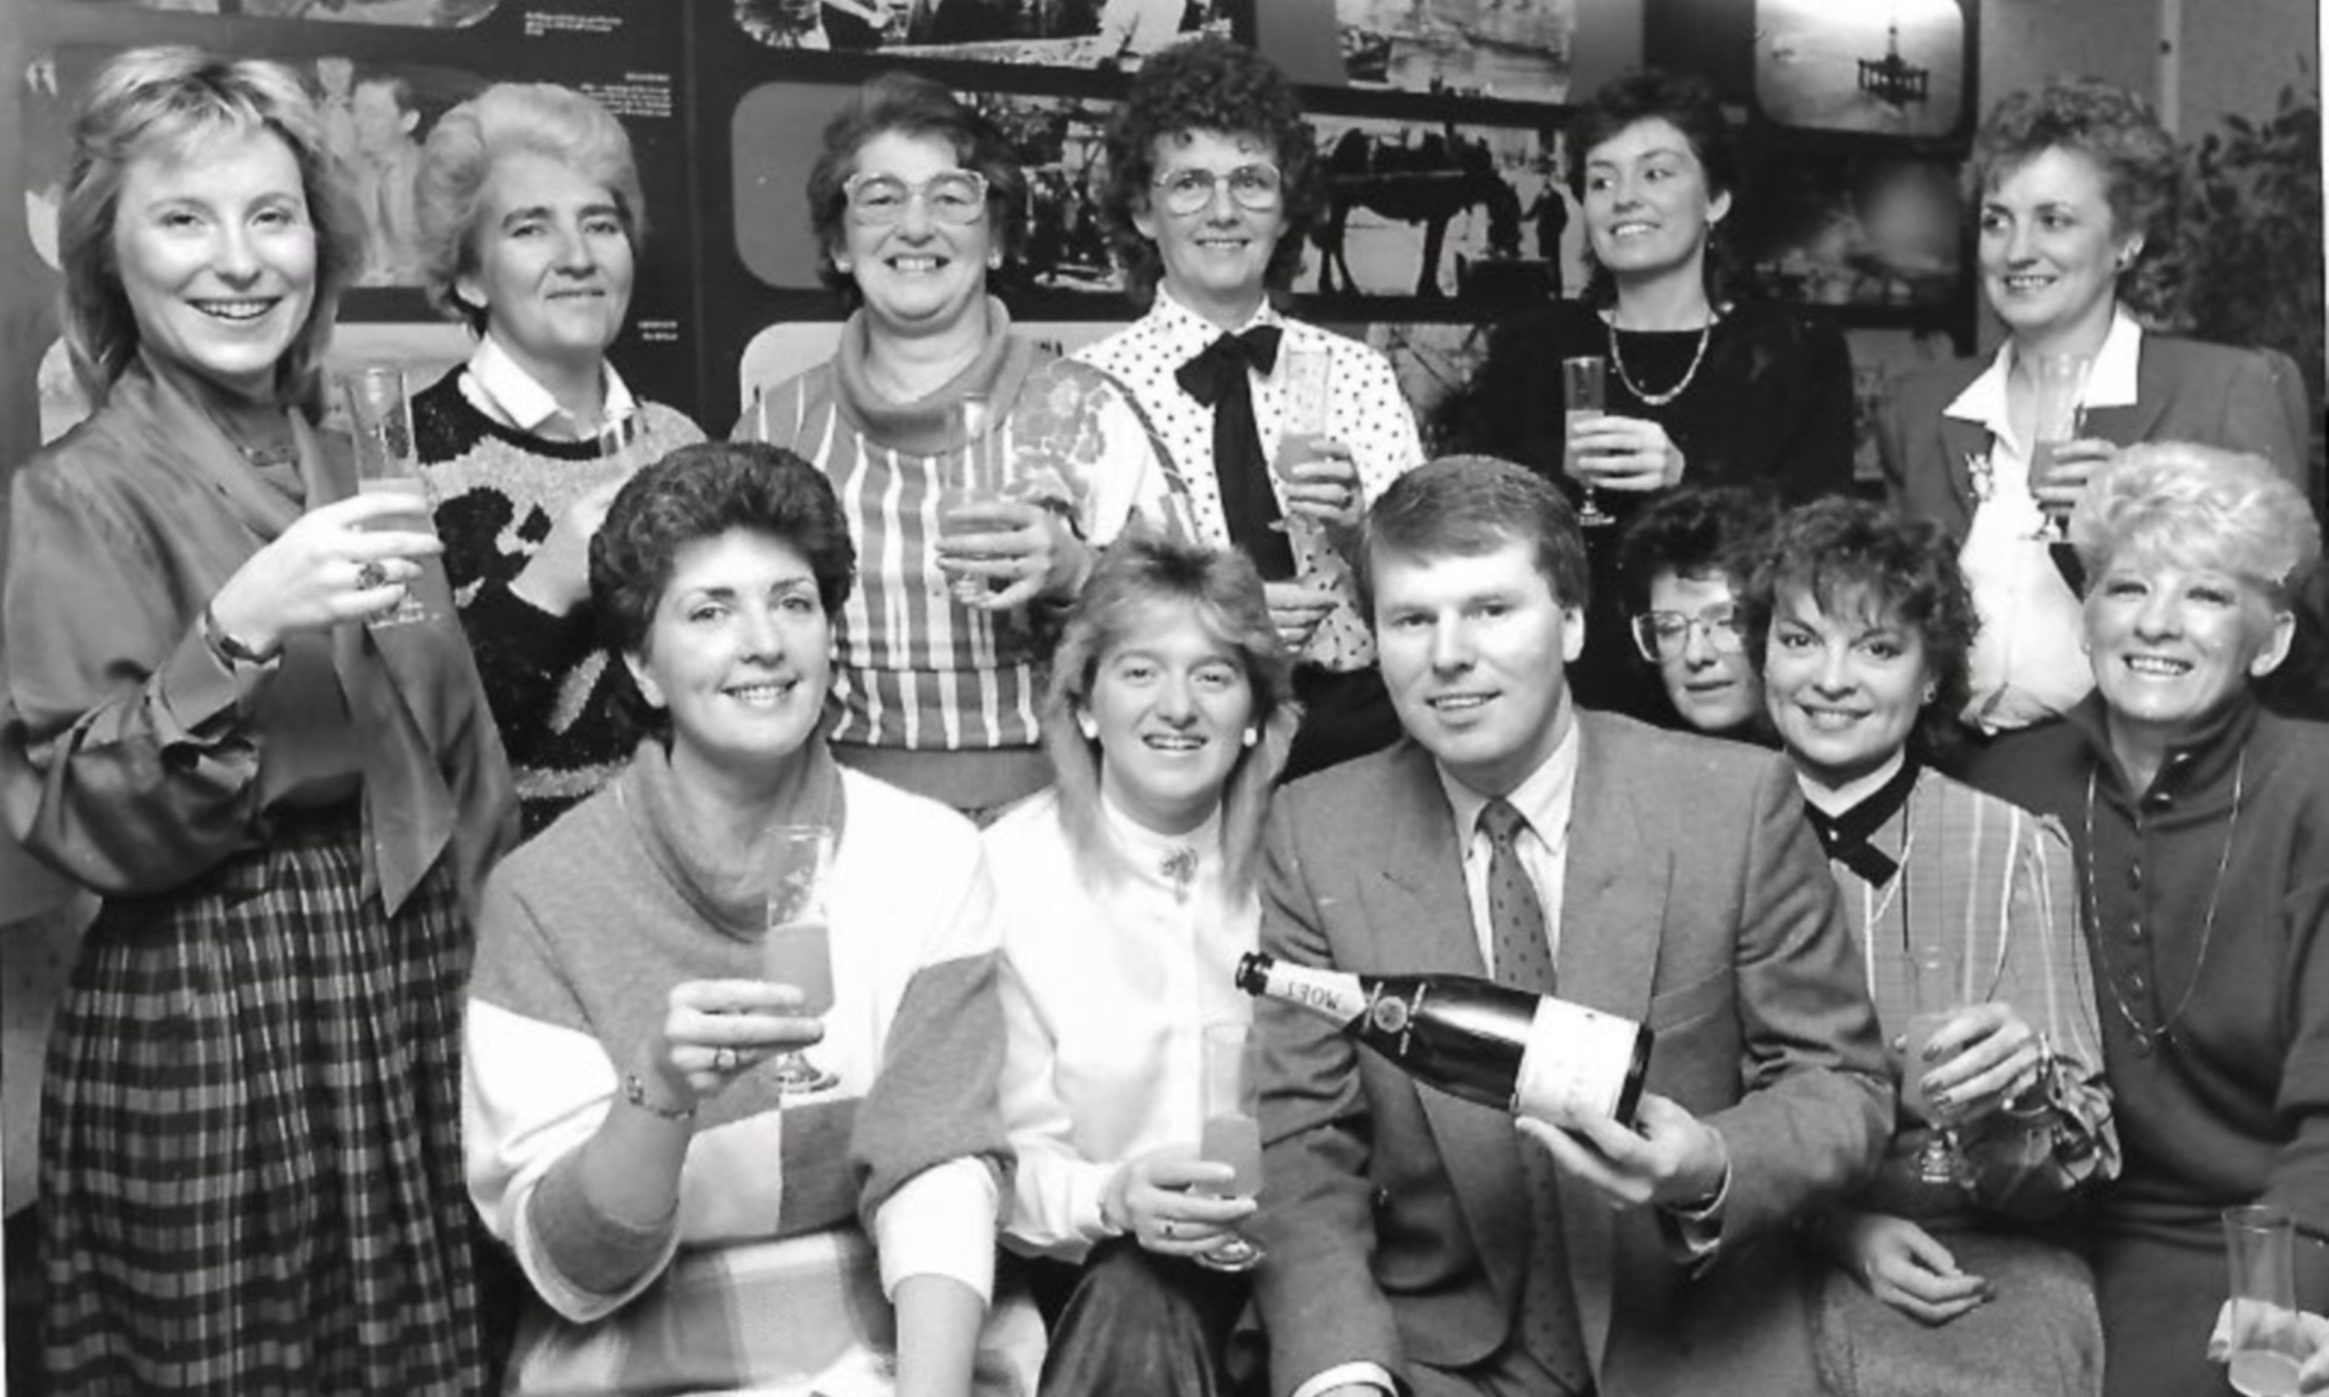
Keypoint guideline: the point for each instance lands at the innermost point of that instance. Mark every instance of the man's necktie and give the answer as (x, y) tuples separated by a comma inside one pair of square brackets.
[(1516, 920), (1221, 378)]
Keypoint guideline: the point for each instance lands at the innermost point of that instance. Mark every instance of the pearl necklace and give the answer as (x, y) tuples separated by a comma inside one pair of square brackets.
[(2145, 1033), (1649, 399)]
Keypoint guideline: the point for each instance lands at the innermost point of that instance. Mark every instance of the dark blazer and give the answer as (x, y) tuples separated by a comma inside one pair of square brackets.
[(1695, 898), (2213, 394)]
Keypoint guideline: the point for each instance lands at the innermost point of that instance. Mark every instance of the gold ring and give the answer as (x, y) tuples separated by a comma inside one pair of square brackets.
[(724, 1060)]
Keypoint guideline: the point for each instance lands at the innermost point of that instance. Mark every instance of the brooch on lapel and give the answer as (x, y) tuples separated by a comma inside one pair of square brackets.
[(1179, 869), (1978, 470)]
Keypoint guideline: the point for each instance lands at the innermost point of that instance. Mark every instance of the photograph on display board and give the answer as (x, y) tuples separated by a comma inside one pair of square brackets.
[(1103, 34), (1434, 210), (1854, 231), (411, 14), (1519, 50), (1888, 67)]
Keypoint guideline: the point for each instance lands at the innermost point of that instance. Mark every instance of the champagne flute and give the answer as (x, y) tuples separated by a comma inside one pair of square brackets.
[(976, 484), (1305, 374), (798, 948), (388, 463), (2061, 383), (1232, 1133), (2267, 1346), (1583, 396), (1936, 969)]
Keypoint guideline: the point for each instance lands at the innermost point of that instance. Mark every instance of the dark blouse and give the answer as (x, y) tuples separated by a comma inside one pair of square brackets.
[(2207, 906), (1770, 405)]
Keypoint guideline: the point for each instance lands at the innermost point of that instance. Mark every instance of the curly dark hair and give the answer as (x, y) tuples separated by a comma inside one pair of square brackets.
[(1692, 532), (700, 492), (2086, 116), (1208, 84), (1684, 101), (911, 106), (1843, 552), (1466, 506)]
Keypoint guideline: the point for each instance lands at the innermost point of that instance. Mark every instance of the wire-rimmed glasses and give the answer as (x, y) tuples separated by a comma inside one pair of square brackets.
[(1256, 187), (1664, 636), (956, 197)]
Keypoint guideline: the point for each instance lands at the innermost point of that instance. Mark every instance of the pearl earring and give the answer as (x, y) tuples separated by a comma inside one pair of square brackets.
[(1090, 729), (1252, 735)]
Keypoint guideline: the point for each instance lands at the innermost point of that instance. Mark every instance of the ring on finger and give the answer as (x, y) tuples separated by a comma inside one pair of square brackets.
[(724, 1060), (371, 575), (1165, 1229)]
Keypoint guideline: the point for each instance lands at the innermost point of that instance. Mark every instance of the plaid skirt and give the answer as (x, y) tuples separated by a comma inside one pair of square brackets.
[(250, 1153)]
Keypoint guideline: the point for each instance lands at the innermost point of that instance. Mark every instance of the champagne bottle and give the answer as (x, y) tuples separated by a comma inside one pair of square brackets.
[(1534, 1055)]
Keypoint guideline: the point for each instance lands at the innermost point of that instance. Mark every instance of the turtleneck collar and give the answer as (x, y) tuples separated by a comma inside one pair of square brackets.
[(928, 426)]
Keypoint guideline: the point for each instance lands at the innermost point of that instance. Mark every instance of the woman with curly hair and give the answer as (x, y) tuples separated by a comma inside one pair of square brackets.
[(1213, 182), (1700, 389), (531, 220), (1953, 1274), (915, 199), (2200, 821), (2071, 179)]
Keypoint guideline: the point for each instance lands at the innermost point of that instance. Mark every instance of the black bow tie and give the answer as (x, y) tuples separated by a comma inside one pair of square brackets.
[(1225, 361)]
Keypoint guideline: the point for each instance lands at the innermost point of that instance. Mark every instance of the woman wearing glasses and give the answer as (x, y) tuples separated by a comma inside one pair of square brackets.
[(978, 472), (1213, 180), (1683, 560)]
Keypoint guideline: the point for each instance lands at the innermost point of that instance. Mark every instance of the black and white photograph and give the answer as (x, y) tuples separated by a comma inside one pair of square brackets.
[(1854, 231), (1099, 34), (1519, 50), (1061, 143), (1888, 67), (410, 14), (1434, 211)]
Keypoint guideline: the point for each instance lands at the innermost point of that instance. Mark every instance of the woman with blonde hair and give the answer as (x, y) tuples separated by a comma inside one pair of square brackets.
[(250, 1153), (531, 222), (2200, 824), (1125, 896)]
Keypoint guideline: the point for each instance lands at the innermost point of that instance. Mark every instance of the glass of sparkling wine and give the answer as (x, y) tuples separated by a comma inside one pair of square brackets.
[(2061, 383), (1583, 395), (798, 950), (1305, 374), (387, 463), (1936, 969), (2268, 1347), (975, 483), (1232, 1133)]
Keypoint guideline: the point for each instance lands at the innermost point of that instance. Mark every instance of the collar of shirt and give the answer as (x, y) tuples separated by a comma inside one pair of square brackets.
[(1152, 853), (1180, 326), (1542, 798), (1839, 799), (496, 385), (2110, 382)]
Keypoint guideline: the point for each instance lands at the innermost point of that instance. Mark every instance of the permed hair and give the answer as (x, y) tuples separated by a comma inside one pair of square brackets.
[(1696, 531), (457, 163), (2101, 121), (1218, 85), (2201, 505), (168, 104), (907, 105), (1855, 557), (699, 492), (1687, 103), (1141, 575), (1466, 506)]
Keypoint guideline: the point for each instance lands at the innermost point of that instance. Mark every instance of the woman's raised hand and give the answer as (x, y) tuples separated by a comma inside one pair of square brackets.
[(1022, 549), (557, 578), (1625, 453), (714, 1031), (328, 568), (1151, 1196), (1984, 1056)]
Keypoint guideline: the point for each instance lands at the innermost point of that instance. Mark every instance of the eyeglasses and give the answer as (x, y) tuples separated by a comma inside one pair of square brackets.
[(1663, 636), (955, 197), (1256, 188)]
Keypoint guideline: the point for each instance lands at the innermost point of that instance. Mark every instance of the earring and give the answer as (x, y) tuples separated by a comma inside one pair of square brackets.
[(1090, 729), (841, 265), (1252, 735), (994, 261)]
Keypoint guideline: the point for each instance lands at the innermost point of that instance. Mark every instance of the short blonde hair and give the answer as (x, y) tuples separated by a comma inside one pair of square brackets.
[(165, 103), (510, 118), (2200, 504)]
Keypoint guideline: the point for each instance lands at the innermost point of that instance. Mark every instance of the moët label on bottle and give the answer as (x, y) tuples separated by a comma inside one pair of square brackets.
[(1576, 1064), (1334, 993)]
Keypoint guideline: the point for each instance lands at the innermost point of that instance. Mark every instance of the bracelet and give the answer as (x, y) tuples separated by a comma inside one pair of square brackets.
[(233, 651), (635, 1092)]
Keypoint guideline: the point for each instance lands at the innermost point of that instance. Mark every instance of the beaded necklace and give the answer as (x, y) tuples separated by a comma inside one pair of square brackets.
[(2146, 1033), (1649, 399)]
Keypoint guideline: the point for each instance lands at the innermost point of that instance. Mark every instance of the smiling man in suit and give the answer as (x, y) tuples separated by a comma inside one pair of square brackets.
[(1423, 1244)]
